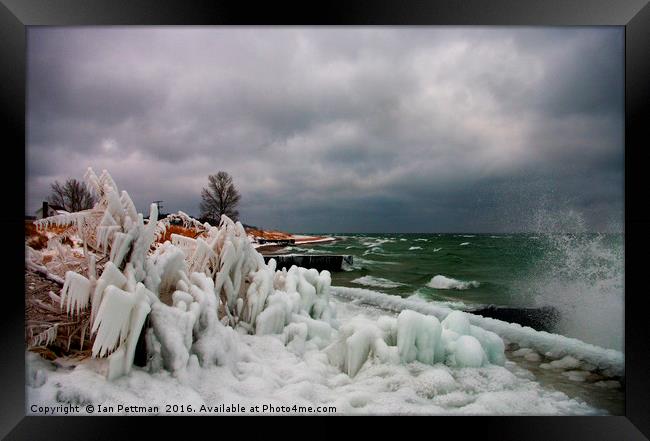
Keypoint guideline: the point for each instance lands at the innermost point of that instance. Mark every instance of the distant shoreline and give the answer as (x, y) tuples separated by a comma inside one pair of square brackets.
[(300, 240)]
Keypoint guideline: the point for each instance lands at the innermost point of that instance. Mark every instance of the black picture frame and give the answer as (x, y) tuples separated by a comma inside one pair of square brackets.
[(634, 15)]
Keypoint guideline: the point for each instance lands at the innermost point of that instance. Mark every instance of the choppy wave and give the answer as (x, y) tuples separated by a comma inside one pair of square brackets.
[(442, 282), (377, 282), (359, 263), (375, 242), (464, 244), (374, 250), (415, 248), (303, 250)]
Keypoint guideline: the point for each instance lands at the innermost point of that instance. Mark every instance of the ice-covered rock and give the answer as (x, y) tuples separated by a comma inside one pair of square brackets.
[(467, 352), (418, 337)]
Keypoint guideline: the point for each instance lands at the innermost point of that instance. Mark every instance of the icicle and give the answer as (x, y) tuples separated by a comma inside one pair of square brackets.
[(107, 180), (110, 276), (104, 234), (120, 362), (92, 267), (112, 321), (202, 258), (128, 206), (61, 219), (80, 230), (129, 273), (93, 182), (120, 246), (48, 336), (114, 205), (153, 213), (108, 219), (76, 290), (83, 336)]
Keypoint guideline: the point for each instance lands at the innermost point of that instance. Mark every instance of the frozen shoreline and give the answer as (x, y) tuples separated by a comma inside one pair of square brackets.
[(280, 375), (556, 346)]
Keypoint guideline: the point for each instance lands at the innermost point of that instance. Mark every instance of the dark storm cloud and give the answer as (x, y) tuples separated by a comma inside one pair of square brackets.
[(333, 129)]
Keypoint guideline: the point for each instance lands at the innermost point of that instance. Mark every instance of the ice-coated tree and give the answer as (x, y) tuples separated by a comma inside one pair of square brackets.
[(72, 196), (220, 197)]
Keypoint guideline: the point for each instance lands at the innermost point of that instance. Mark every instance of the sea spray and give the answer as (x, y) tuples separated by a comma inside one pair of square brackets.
[(580, 274)]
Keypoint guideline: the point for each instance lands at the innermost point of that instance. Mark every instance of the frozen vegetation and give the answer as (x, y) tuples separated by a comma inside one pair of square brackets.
[(221, 326)]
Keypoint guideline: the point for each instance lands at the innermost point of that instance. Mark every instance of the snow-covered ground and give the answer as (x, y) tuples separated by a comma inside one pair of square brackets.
[(271, 373)]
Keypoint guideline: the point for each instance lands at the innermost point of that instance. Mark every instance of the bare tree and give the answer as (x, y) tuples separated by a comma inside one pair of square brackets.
[(220, 197), (72, 196)]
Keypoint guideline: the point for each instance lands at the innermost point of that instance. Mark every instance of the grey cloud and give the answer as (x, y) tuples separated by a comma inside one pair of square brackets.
[(333, 129)]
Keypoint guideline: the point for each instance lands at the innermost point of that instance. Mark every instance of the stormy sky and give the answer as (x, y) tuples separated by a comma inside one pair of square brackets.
[(414, 129)]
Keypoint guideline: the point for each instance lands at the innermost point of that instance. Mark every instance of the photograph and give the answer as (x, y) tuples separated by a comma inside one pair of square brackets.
[(325, 220)]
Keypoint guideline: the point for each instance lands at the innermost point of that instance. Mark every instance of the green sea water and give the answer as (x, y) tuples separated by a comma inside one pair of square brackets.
[(580, 274)]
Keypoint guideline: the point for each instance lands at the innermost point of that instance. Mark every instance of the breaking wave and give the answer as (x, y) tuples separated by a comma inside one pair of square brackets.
[(442, 282), (377, 282)]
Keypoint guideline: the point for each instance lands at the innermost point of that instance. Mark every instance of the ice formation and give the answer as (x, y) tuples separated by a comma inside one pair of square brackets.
[(551, 345), (414, 336), (191, 287), (76, 290)]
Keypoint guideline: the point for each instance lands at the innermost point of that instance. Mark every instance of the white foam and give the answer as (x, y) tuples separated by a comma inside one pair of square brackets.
[(442, 282), (415, 248), (377, 282), (464, 244)]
